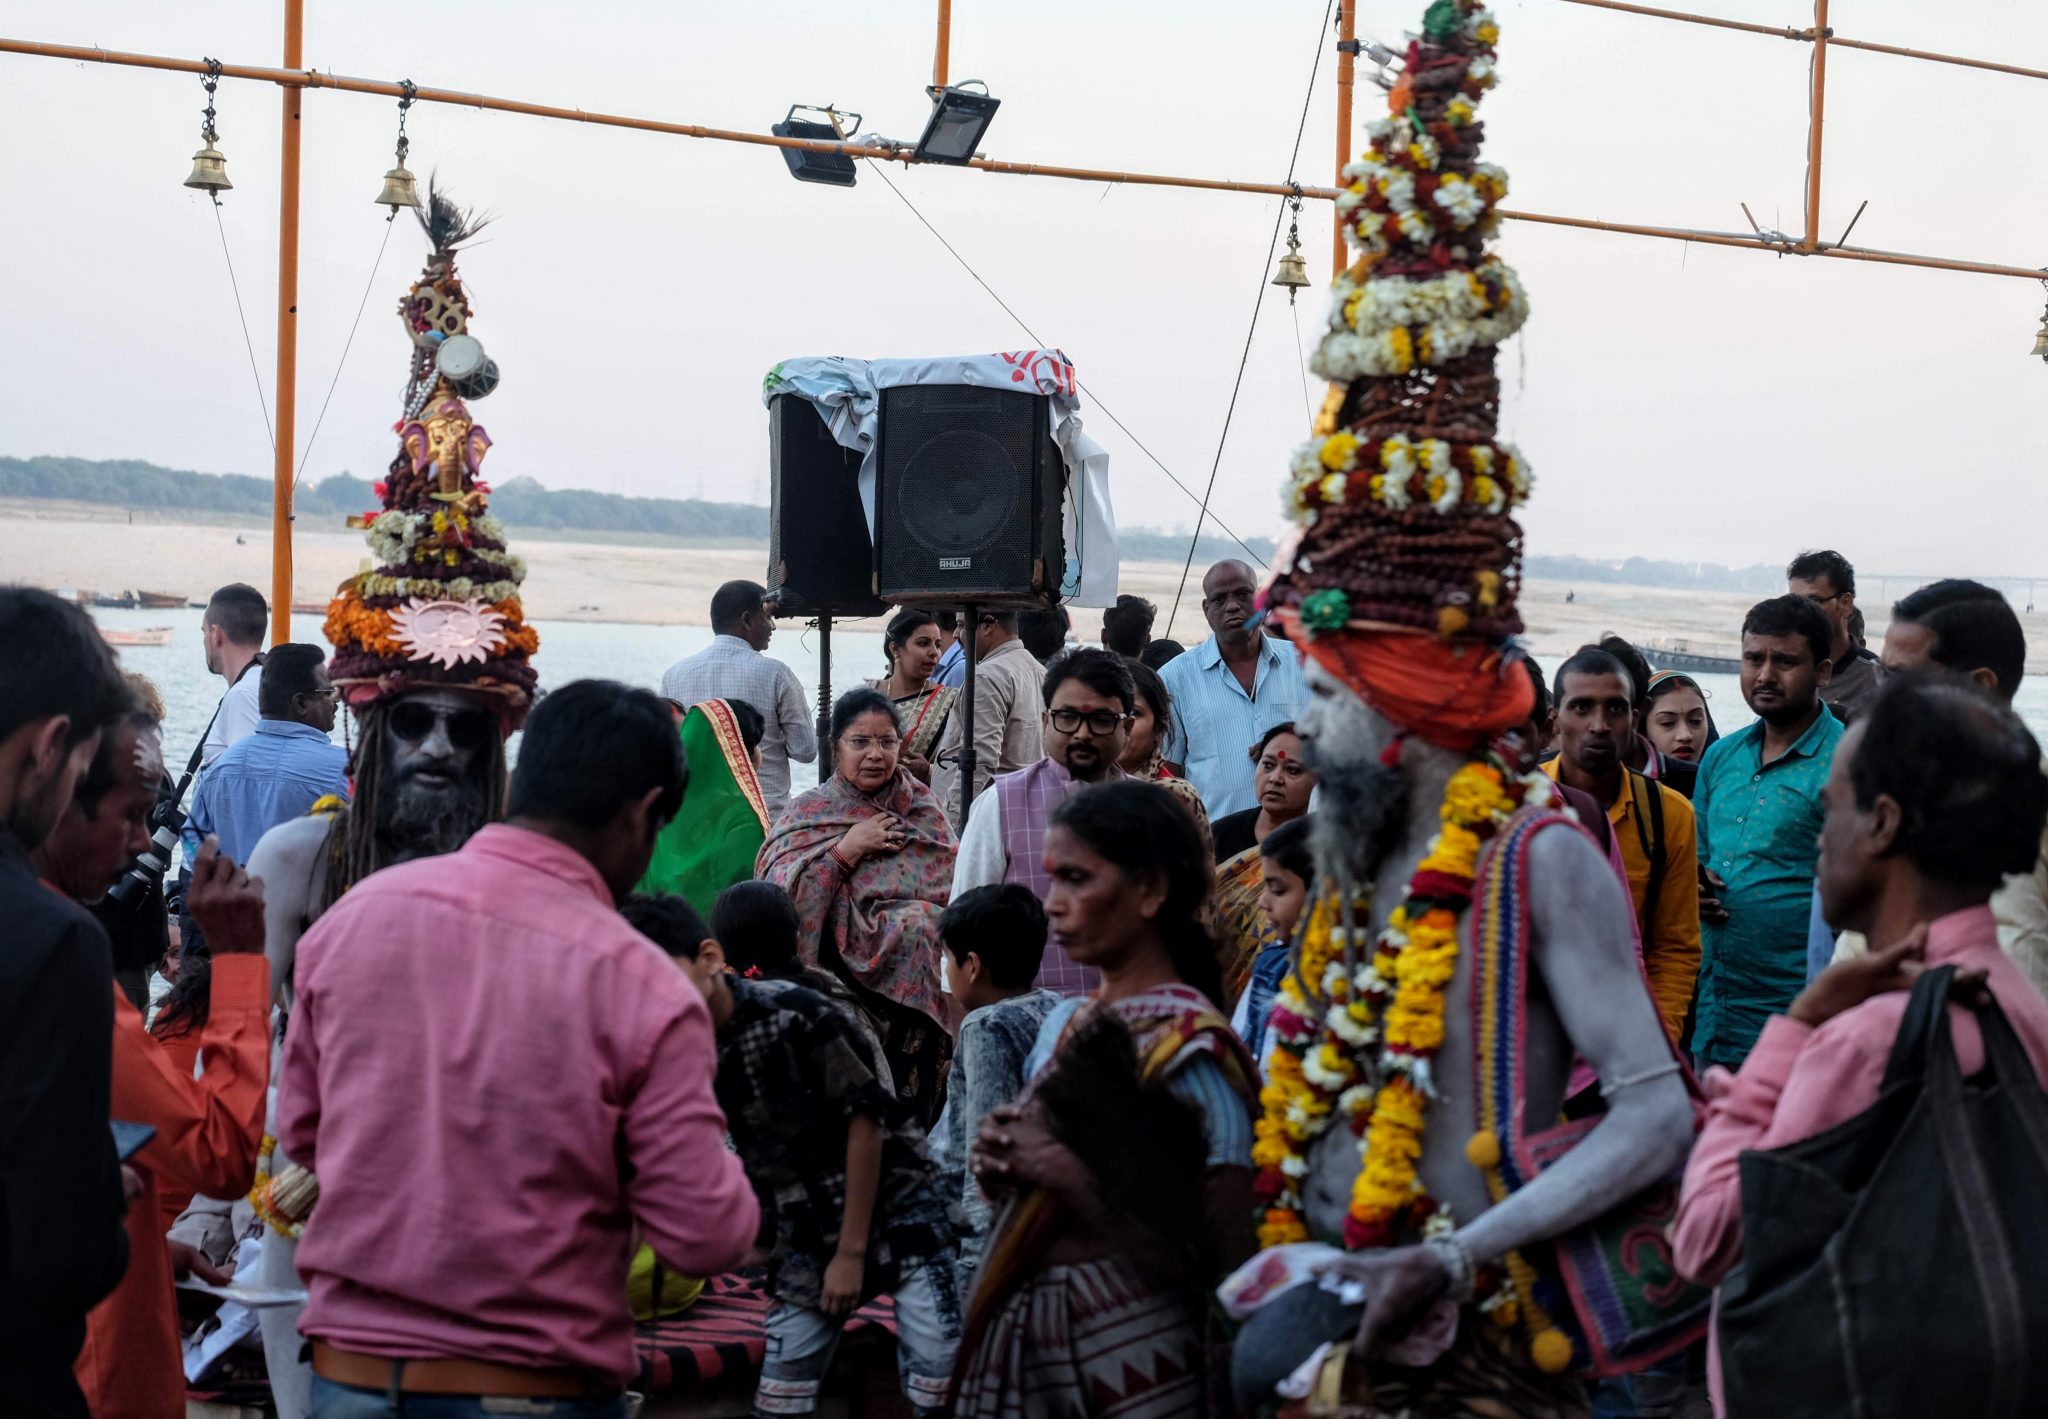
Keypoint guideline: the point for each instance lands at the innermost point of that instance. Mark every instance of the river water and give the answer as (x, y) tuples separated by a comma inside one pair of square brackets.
[(637, 655), (569, 650)]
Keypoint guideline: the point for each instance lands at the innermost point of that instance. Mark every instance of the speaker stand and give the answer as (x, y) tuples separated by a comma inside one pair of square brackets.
[(824, 695), (970, 627)]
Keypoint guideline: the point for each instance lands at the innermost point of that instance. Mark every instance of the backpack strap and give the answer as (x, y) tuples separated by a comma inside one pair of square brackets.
[(1651, 838)]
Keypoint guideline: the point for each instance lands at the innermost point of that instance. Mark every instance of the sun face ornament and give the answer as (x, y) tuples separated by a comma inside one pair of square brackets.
[(447, 633)]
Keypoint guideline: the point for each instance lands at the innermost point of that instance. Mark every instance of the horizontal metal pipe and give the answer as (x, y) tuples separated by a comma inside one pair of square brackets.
[(1786, 248), (1775, 31), (315, 79), (1807, 35)]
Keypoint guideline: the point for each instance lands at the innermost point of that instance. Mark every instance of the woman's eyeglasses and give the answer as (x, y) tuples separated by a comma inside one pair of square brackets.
[(861, 743), (1101, 723), (467, 728)]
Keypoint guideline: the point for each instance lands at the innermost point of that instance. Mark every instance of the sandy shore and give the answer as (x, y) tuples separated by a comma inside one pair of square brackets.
[(83, 546)]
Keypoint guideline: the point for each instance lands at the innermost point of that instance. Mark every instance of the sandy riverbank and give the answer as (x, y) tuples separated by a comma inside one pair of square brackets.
[(82, 546)]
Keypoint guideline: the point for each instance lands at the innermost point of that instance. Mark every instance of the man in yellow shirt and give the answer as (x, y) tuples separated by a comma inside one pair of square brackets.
[(1652, 824)]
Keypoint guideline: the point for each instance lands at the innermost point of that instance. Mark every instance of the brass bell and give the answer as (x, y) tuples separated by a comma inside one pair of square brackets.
[(1293, 273), (2041, 338), (209, 170), (401, 189)]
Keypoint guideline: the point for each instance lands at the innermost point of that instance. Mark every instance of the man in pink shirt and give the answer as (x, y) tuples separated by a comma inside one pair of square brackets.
[(495, 1079), (1936, 793)]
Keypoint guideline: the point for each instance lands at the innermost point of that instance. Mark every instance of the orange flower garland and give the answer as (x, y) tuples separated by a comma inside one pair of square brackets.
[(1368, 1056)]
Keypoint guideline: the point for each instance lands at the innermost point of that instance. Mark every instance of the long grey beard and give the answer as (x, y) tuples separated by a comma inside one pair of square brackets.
[(420, 823), (1363, 817)]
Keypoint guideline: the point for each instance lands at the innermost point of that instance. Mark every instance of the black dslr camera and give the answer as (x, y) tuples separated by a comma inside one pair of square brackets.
[(166, 821)]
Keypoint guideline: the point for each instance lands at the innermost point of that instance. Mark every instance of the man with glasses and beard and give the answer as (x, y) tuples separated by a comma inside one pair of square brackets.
[(1089, 696)]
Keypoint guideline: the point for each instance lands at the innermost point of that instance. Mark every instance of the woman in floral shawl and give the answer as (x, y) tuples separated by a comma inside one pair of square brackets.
[(867, 857)]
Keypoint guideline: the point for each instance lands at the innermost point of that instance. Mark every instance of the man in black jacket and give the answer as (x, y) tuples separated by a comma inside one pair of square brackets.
[(62, 1246)]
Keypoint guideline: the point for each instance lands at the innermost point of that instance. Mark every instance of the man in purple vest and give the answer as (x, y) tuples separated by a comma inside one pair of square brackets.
[(1089, 696)]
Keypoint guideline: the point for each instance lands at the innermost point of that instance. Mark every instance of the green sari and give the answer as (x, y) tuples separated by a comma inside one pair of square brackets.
[(717, 833)]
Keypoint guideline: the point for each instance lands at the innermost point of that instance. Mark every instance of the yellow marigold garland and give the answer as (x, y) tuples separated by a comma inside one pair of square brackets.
[(1368, 1057)]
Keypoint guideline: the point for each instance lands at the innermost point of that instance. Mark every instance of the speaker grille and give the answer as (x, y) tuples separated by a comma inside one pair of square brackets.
[(963, 493)]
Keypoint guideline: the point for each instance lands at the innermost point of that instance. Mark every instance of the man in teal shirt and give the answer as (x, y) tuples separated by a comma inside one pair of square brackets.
[(1759, 812)]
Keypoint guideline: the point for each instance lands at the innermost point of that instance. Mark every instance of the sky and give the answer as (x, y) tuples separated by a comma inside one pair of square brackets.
[(1675, 400)]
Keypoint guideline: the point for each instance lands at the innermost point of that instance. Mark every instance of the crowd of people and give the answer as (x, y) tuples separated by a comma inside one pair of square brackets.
[(390, 1038)]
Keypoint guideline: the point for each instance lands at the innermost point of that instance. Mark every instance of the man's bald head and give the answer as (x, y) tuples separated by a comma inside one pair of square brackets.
[(1227, 595)]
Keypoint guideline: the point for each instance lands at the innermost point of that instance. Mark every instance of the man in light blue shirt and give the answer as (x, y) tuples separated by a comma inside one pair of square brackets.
[(1228, 691), (279, 772)]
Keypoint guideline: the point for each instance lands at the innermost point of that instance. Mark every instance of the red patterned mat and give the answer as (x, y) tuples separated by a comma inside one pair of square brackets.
[(722, 1334)]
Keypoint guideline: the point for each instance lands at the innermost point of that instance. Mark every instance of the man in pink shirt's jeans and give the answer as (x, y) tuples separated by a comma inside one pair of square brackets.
[(495, 1078), (1936, 793)]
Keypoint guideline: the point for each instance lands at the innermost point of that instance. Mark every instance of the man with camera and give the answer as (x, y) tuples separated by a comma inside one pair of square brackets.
[(207, 1128)]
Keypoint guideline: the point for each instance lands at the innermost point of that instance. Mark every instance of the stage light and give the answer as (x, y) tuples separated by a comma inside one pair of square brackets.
[(959, 119)]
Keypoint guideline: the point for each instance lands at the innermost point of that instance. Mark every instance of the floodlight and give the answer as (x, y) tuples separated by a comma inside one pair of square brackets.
[(959, 119)]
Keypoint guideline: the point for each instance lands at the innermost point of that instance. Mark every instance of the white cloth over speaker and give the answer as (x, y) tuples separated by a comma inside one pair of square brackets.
[(847, 395)]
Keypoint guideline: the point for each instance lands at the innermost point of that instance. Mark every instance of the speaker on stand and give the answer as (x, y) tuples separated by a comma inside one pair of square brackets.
[(968, 503), (821, 561)]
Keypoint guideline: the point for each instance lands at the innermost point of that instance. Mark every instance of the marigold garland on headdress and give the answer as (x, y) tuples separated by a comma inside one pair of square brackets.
[(440, 604)]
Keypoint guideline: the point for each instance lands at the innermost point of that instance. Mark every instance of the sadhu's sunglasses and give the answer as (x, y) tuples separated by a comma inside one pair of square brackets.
[(467, 728)]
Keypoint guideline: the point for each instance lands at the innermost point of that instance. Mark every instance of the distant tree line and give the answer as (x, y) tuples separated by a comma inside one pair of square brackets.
[(1762, 578), (523, 503), (520, 502)]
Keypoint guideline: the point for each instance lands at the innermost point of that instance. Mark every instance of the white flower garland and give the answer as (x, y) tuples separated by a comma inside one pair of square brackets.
[(459, 588)]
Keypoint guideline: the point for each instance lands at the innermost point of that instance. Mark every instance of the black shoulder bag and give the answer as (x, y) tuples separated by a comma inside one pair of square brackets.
[(1898, 1264)]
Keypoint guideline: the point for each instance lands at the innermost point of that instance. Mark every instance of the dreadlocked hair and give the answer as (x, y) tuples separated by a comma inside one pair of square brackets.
[(353, 851)]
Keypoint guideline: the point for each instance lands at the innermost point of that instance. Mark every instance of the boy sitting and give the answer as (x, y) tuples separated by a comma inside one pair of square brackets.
[(995, 940), (851, 1205)]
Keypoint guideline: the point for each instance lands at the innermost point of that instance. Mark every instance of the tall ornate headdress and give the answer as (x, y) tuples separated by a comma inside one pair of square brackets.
[(440, 606), (1403, 575)]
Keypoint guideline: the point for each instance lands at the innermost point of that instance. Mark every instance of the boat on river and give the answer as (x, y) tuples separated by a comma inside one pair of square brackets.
[(1681, 656), (151, 635)]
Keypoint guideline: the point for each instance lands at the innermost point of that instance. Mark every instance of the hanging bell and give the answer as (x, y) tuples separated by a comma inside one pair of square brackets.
[(1293, 273), (401, 189), (209, 170), (2041, 338)]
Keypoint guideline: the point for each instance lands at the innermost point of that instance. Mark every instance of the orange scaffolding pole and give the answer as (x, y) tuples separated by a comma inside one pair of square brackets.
[(283, 473), (1347, 69), (1816, 119), (942, 54)]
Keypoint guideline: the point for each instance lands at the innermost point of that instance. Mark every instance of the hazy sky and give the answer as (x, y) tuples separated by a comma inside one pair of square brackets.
[(1675, 401)]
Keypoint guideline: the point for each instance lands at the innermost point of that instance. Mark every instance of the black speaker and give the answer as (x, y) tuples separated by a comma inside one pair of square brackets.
[(967, 499), (820, 557)]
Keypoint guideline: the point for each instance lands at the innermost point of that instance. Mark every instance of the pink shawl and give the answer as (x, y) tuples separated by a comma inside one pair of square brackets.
[(883, 916)]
